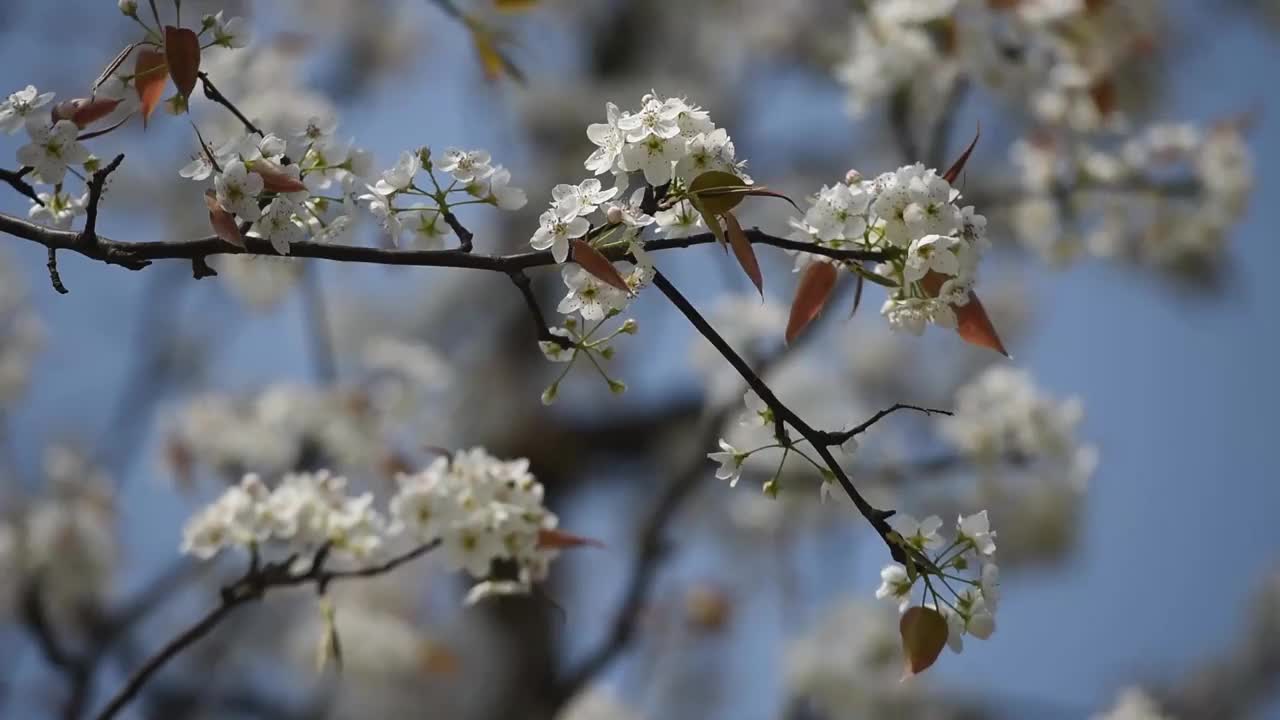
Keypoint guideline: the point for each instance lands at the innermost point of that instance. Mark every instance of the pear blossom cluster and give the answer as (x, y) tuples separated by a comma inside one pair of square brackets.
[(1165, 197), (915, 213), (303, 513), (1059, 57), (480, 510), (53, 148), (667, 140), (468, 174), (1002, 416), (957, 578)]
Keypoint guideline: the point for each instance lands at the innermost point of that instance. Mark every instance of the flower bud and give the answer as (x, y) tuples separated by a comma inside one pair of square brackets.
[(617, 387), (771, 488), (129, 7), (630, 327), (614, 215), (549, 395), (852, 177)]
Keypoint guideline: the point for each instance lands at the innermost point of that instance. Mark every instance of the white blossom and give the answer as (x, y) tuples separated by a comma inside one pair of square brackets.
[(52, 149)]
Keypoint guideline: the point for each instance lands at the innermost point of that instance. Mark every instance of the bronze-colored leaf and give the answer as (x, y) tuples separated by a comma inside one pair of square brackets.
[(182, 51), (974, 325), (744, 252), (598, 265), (712, 222), (718, 191), (957, 167), (149, 80), (812, 293), (84, 111), (275, 179), (924, 634), (1103, 94), (559, 539), (223, 222)]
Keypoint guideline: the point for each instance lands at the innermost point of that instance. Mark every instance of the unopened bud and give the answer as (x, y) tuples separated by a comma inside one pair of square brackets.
[(549, 395), (129, 7), (630, 327), (617, 387), (852, 177), (614, 215), (770, 488)]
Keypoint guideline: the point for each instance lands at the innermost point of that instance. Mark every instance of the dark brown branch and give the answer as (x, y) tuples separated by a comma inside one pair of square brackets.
[(525, 286), (873, 515), (211, 91), (97, 183), (465, 238), (15, 180), (54, 278), (137, 255), (252, 587), (837, 438)]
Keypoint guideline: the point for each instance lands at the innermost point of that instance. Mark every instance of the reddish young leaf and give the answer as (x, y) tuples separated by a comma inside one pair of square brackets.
[(744, 252), (1103, 94), (84, 111), (182, 50), (276, 179), (972, 322), (223, 222), (924, 634), (559, 539), (514, 5), (957, 167), (975, 326), (598, 265), (150, 79), (815, 288)]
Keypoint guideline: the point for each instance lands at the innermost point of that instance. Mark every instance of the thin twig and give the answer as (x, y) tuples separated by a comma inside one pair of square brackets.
[(54, 278), (837, 438), (89, 236), (213, 93), (873, 515), (525, 286), (465, 238), (15, 180), (252, 587)]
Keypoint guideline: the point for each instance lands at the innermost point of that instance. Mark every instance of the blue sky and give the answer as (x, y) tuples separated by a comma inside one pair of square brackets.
[(1179, 390)]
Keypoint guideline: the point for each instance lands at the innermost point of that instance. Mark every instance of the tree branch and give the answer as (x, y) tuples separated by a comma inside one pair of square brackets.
[(89, 236), (873, 515), (15, 180), (211, 91), (251, 587), (838, 438), (525, 286), (137, 255)]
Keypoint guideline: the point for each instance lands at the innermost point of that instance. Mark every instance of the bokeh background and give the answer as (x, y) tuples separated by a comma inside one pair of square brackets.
[(1160, 575)]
